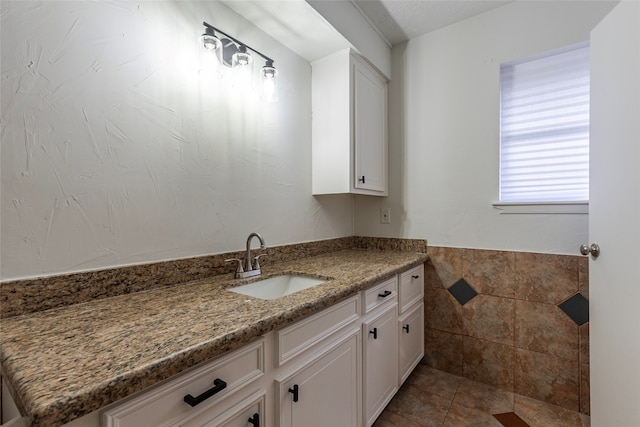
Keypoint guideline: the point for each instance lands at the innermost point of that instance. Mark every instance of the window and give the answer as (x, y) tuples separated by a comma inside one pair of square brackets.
[(544, 128)]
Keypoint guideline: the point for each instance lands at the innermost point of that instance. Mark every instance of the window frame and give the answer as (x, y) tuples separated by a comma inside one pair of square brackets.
[(534, 207)]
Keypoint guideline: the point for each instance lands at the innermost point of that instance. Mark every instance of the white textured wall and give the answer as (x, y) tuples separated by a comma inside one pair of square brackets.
[(345, 18), (444, 135), (117, 149)]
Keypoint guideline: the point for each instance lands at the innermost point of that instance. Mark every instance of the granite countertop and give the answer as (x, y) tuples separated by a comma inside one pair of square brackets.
[(67, 362)]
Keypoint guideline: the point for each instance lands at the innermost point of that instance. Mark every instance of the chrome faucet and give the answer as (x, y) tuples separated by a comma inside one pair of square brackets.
[(250, 268)]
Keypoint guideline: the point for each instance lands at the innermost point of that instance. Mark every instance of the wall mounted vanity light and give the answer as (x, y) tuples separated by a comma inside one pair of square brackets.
[(234, 54)]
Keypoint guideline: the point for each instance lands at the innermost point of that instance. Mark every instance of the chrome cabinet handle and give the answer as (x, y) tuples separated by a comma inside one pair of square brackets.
[(594, 250)]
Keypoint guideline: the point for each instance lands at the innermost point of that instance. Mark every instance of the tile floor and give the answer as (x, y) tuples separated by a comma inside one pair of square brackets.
[(435, 398)]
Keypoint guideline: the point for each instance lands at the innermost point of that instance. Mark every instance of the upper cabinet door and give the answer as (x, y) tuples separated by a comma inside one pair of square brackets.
[(349, 127), (370, 128)]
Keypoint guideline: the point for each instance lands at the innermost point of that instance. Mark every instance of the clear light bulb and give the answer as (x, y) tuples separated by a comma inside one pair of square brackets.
[(269, 82), (242, 64), (209, 40)]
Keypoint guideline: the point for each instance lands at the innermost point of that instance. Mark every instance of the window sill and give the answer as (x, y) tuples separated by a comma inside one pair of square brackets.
[(554, 208)]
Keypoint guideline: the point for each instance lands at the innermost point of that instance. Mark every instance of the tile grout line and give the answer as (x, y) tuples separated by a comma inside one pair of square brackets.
[(451, 403)]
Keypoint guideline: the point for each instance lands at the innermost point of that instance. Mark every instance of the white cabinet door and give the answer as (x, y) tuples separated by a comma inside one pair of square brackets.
[(411, 289), (349, 127), (324, 392), (411, 330), (380, 361), (370, 128)]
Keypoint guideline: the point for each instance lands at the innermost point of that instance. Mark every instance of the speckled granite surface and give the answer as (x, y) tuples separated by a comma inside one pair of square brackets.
[(19, 297), (69, 361)]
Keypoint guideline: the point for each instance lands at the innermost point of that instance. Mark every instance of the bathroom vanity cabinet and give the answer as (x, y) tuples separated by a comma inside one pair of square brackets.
[(338, 367), (349, 126)]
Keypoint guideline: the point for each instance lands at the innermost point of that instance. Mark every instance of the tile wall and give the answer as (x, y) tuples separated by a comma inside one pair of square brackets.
[(515, 320)]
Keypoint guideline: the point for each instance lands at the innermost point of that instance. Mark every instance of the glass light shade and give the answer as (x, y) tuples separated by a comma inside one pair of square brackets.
[(269, 82), (241, 58), (209, 40), (242, 64)]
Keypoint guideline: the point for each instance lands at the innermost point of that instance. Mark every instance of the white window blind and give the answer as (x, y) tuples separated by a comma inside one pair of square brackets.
[(544, 128)]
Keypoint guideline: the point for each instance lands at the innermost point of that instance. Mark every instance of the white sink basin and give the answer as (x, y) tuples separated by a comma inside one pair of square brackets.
[(278, 286)]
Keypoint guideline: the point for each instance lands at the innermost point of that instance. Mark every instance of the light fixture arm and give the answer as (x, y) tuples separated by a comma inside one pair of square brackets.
[(238, 42)]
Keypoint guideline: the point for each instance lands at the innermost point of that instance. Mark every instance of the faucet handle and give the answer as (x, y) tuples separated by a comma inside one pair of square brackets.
[(239, 269), (256, 264)]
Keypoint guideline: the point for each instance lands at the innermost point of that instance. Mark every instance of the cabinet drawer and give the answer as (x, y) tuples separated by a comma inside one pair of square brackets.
[(231, 414), (295, 339), (164, 405), (411, 289), (379, 294)]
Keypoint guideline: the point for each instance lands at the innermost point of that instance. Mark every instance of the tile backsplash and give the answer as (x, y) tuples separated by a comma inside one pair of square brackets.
[(513, 334)]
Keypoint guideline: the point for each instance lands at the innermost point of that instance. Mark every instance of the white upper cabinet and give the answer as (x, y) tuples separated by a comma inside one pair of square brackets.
[(349, 131)]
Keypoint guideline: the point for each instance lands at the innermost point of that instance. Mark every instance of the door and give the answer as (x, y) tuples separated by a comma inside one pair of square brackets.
[(614, 218), (380, 367), (323, 393), (411, 338), (370, 129)]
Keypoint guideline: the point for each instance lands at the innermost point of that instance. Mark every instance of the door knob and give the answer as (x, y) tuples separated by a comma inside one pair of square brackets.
[(594, 250)]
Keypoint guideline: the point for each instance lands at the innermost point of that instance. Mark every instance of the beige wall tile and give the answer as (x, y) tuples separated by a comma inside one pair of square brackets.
[(444, 267), (583, 276), (546, 329), (442, 311), (584, 343), (488, 362), (585, 389), (479, 340), (490, 318), (489, 272), (548, 378), (545, 277), (443, 350)]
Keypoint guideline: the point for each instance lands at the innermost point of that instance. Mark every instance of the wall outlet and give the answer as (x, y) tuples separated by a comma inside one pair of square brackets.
[(385, 216)]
